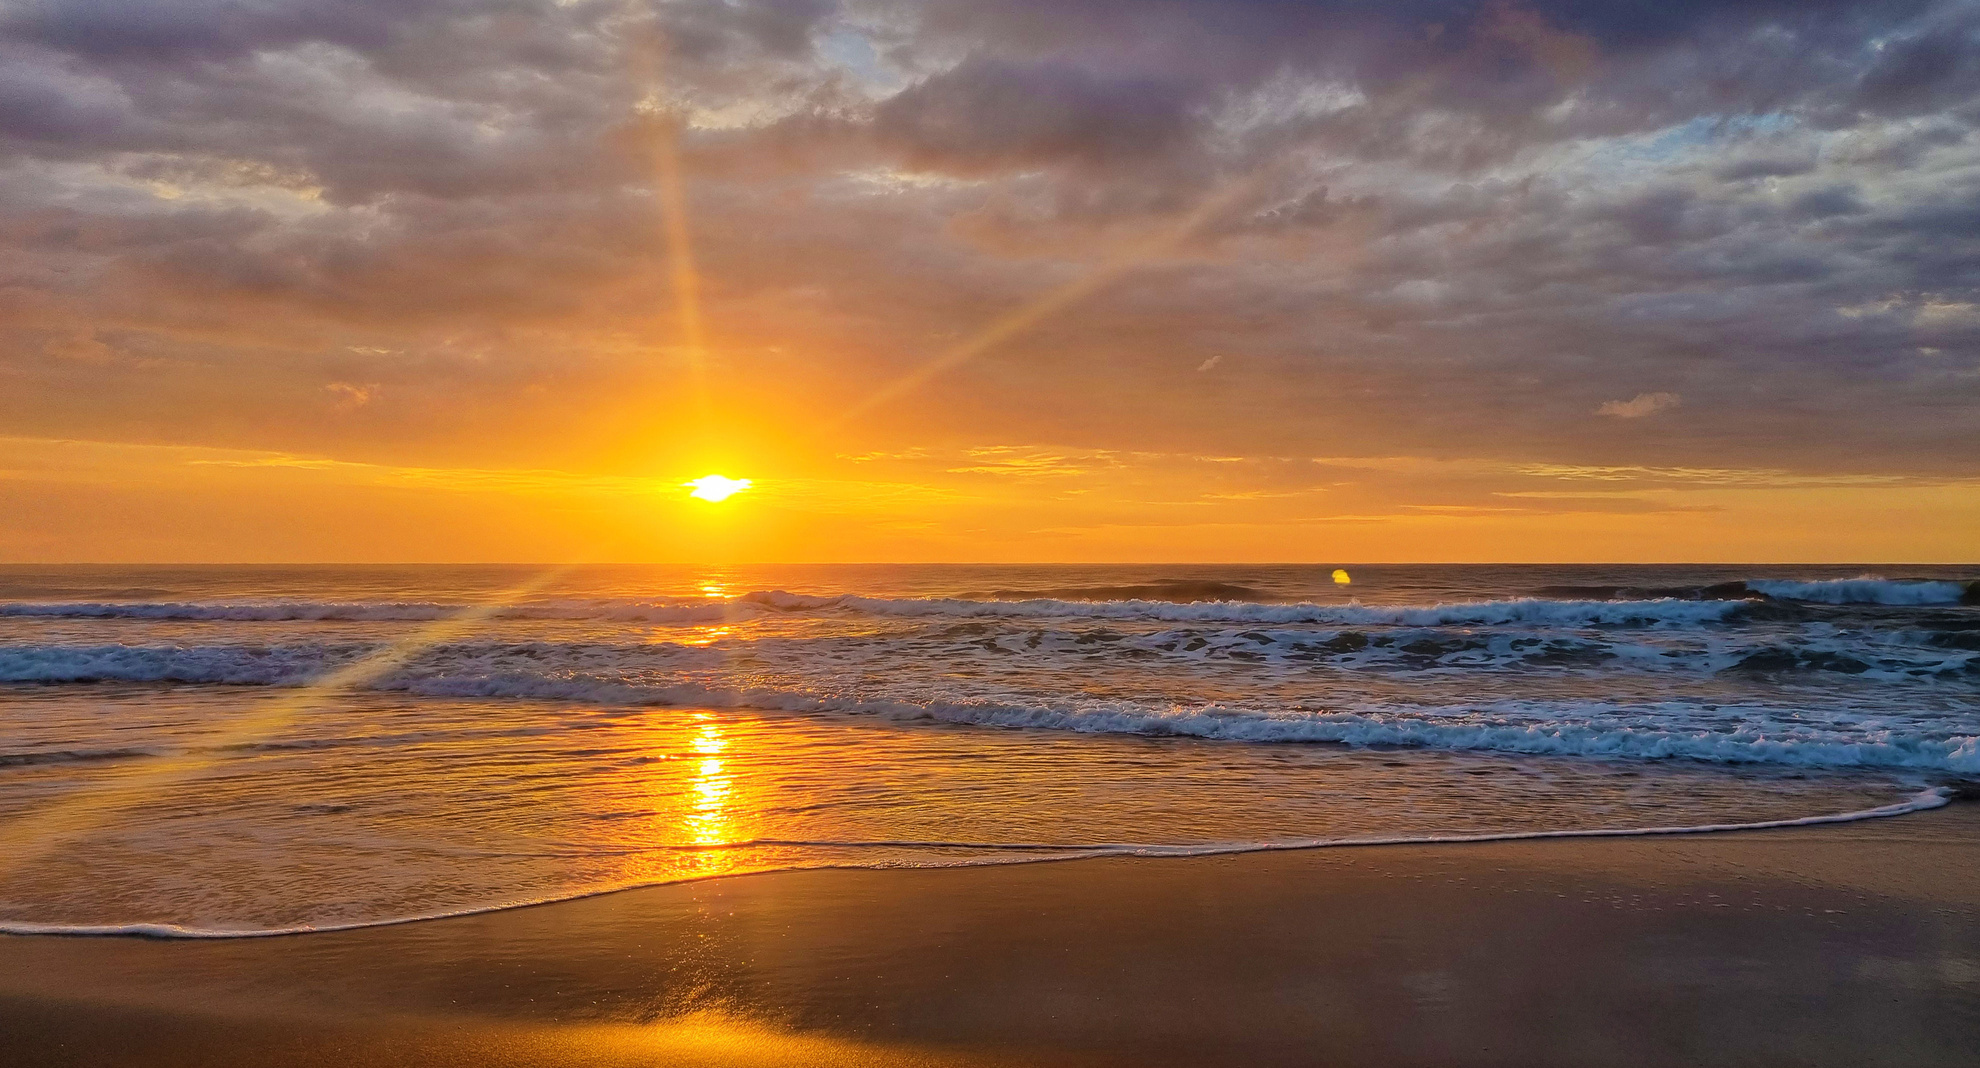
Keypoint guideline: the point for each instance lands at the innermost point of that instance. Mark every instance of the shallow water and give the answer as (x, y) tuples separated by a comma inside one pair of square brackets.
[(620, 726)]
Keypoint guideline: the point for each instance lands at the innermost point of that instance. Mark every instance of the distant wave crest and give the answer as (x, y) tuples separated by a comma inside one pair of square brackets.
[(1666, 611), (1520, 610), (1180, 590), (368, 611), (1868, 590)]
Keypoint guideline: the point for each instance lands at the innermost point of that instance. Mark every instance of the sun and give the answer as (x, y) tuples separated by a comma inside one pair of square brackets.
[(715, 487)]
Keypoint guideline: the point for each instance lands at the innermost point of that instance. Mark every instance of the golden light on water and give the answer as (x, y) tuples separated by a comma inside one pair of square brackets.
[(707, 817), (715, 487), (1341, 577)]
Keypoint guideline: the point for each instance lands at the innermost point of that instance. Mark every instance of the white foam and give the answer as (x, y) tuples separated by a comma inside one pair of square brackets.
[(293, 665), (1009, 853), (1648, 731), (1639, 733), (1865, 590), (1900, 659), (1886, 735)]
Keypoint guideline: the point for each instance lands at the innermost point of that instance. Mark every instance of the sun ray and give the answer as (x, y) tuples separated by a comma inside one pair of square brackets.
[(1058, 300), (661, 133), (682, 273)]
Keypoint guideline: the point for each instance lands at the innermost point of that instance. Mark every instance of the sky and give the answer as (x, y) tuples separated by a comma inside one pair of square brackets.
[(989, 280)]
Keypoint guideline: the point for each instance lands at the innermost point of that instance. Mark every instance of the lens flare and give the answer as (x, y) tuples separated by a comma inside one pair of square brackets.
[(25, 839), (715, 487)]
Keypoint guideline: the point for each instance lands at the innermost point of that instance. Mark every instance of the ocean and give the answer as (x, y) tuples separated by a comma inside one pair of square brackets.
[(502, 736)]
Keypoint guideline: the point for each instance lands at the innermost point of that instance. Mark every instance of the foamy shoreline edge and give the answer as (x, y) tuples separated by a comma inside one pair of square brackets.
[(1924, 801)]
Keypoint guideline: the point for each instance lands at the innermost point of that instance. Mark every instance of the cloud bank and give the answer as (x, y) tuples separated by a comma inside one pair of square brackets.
[(427, 231)]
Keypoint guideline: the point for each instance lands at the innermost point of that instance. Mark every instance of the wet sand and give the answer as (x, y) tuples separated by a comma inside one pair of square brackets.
[(1842, 945)]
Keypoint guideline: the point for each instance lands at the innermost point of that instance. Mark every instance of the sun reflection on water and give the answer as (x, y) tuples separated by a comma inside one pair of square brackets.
[(709, 820), (705, 635), (701, 799)]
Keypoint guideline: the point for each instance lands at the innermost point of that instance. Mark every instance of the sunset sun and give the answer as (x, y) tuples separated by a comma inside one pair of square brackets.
[(715, 487)]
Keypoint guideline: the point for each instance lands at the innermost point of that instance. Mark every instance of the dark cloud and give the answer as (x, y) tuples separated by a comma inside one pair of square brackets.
[(988, 115), (1934, 66)]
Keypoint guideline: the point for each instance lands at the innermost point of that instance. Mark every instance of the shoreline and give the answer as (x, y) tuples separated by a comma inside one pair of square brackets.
[(1840, 944), (1923, 801)]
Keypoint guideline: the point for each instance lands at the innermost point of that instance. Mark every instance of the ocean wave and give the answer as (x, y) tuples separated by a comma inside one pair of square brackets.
[(1176, 590), (293, 665), (1589, 729), (1718, 591), (1869, 590), (1888, 737), (1055, 649), (1050, 653), (999, 854)]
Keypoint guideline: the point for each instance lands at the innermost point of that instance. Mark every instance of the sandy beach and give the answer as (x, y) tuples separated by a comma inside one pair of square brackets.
[(1844, 945)]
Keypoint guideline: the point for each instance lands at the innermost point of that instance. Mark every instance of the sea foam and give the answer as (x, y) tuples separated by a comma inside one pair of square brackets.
[(1586, 727)]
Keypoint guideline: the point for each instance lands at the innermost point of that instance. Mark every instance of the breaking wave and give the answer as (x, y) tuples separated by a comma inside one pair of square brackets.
[(1870, 590), (1583, 727)]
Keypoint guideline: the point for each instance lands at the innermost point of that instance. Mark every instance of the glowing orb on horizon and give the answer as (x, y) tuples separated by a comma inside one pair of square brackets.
[(715, 487), (1341, 577)]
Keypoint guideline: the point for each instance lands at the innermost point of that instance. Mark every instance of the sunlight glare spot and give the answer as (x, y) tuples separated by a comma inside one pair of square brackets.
[(705, 635), (715, 487)]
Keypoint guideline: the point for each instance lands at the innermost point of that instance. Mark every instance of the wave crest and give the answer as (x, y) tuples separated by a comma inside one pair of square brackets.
[(1870, 590), (1536, 610), (1669, 611)]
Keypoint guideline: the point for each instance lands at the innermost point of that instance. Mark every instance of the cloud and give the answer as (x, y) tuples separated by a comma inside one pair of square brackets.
[(1640, 406), (1472, 221), (988, 114), (353, 395)]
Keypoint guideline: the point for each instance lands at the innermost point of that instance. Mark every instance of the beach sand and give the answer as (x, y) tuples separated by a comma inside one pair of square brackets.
[(1843, 945)]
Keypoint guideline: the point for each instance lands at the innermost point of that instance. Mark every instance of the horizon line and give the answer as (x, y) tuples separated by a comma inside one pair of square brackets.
[(992, 563)]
